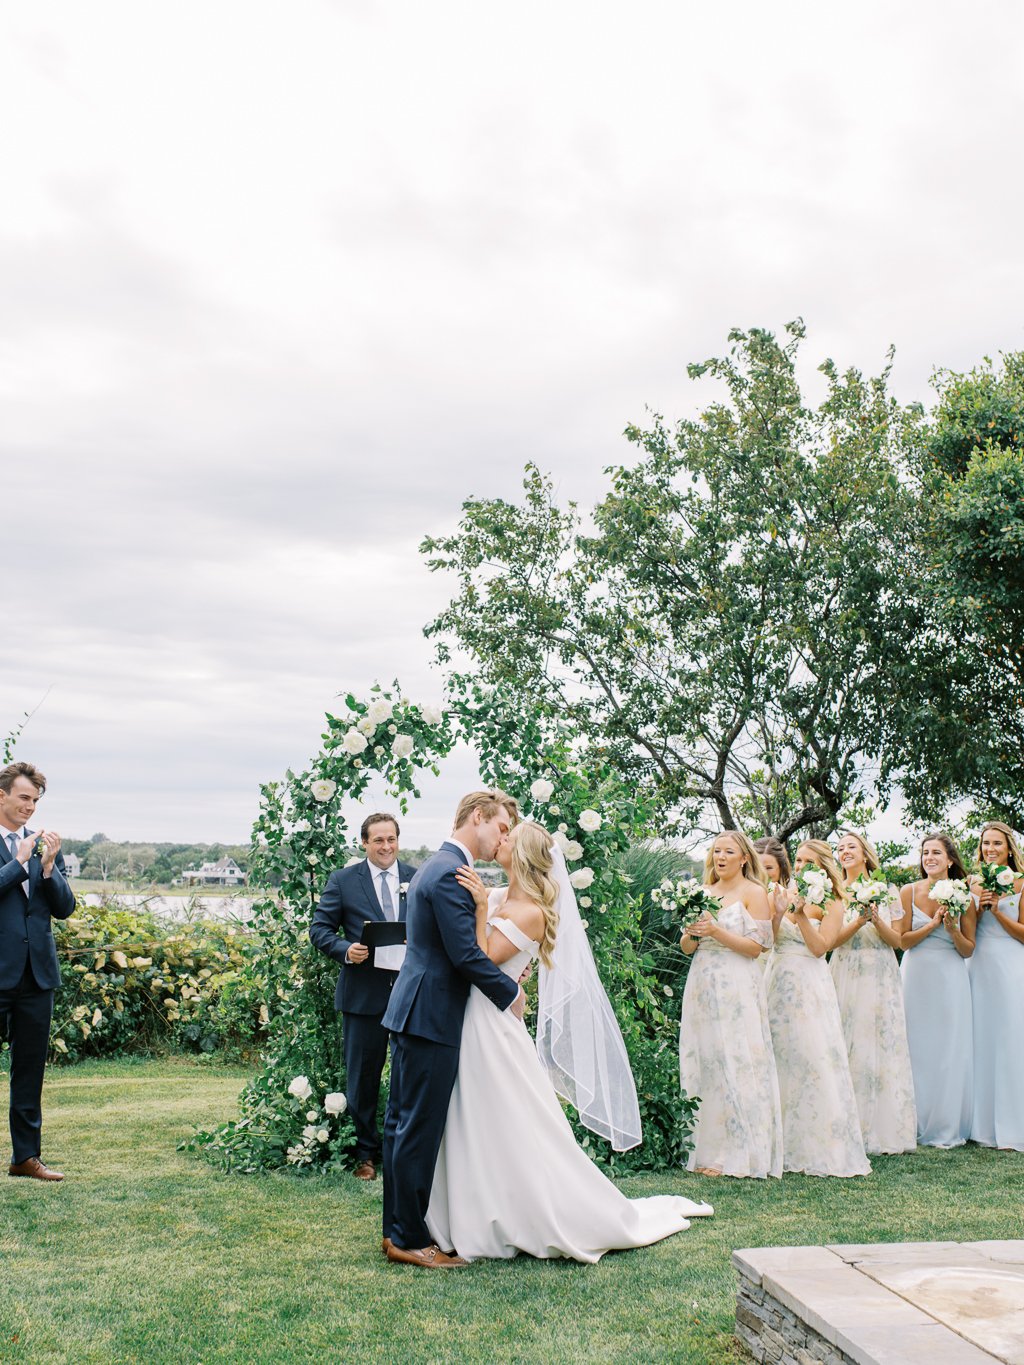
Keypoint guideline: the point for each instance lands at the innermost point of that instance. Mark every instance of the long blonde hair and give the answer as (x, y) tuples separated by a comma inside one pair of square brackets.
[(1013, 854), (532, 864), (753, 869), (871, 859), (821, 856)]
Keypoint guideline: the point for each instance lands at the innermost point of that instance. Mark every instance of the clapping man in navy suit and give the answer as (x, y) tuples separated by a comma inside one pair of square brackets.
[(33, 892), (371, 890), (443, 960)]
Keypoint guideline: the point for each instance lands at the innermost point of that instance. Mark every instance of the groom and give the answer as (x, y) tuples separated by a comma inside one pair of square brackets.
[(424, 1015)]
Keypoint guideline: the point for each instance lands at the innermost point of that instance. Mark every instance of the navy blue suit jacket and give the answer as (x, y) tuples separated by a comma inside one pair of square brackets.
[(348, 901), (26, 932), (443, 958)]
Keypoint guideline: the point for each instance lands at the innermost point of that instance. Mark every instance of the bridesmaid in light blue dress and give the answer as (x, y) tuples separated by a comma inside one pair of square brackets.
[(997, 993), (937, 999)]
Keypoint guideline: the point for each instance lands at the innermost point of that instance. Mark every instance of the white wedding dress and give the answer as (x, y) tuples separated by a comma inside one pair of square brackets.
[(510, 1176)]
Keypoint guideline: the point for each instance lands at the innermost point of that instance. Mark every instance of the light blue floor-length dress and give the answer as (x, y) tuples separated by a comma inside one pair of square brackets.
[(937, 999), (997, 996)]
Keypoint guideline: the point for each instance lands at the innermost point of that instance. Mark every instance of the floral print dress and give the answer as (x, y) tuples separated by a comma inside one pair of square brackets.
[(820, 1126), (725, 1055), (870, 996)]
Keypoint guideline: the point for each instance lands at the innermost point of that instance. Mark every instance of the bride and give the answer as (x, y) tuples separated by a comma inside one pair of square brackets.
[(510, 1176)]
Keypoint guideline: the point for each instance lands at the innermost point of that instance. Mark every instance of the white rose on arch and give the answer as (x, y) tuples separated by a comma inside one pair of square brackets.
[(432, 715), (335, 1102), (353, 742), (559, 838), (365, 725), (581, 879), (573, 851), (402, 746), (542, 789), (589, 821), (300, 1088), (379, 711), (323, 789)]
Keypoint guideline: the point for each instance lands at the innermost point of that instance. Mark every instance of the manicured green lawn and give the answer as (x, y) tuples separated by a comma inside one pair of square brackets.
[(145, 1254)]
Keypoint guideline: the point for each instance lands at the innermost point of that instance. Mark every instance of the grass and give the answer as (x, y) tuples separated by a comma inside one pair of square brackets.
[(145, 1254)]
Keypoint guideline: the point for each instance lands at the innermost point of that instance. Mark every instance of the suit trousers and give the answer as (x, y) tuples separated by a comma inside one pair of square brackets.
[(366, 1050), (422, 1076), (28, 1009)]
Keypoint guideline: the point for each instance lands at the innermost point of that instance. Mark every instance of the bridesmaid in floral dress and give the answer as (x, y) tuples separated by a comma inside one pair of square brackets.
[(937, 997), (820, 1129), (870, 995), (997, 992), (725, 1045)]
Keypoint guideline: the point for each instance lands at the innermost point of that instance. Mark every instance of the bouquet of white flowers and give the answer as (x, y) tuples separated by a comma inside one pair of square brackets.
[(684, 902), (814, 885), (995, 877), (869, 892), (953, 896)]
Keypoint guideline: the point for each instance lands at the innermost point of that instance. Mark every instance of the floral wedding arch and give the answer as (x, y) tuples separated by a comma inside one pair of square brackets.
[(293, 1112)]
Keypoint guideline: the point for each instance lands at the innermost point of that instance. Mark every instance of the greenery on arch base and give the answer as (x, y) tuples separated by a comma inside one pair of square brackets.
[(286, 1118)]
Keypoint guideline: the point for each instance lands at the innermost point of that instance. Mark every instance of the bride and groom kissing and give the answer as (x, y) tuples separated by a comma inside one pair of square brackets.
[(479, 1159)]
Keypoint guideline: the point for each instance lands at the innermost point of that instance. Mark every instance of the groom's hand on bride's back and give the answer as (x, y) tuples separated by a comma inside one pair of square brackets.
[(518, 1005)]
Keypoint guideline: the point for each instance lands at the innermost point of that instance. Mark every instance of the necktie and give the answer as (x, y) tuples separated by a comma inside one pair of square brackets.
[(387, 904), (12, 839)]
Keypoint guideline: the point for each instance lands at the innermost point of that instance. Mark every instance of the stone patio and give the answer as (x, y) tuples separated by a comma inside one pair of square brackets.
[(941, 1303)]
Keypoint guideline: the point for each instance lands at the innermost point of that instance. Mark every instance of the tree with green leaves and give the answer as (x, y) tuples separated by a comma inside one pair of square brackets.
[(726, 628), (959, 730)]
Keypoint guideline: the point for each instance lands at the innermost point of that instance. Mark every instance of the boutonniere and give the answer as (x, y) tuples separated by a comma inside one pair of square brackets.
[(40, 848), (403, 887)]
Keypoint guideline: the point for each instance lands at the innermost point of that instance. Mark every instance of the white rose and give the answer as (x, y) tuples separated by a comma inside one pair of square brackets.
[(942, 891), (402, 746), (589, 821), (353, 742), (303, 827), (324, 789), (573, 851), (584, 924), (300, 1088), (309, 1131), (335, 1102), (379, 711), (585, 902), (312, 859), (542, 789), (392, 729), (312, 1115), (559, 838), (563, 828), (322, 1135), (554, 810), (582, 879), (432, 715), (1005, 877), (864, 892), (365, 725)]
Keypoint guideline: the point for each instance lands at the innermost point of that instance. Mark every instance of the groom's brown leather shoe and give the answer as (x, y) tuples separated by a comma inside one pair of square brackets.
[(431, 1258), (366, 1170), (35, 1170)]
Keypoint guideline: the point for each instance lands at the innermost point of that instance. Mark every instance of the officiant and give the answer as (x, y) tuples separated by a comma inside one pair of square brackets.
[(369, 891)]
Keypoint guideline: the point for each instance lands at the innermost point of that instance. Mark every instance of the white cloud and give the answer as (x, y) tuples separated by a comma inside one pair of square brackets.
[(279, 285)]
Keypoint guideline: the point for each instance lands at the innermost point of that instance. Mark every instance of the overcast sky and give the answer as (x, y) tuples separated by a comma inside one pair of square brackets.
[(282, 283)]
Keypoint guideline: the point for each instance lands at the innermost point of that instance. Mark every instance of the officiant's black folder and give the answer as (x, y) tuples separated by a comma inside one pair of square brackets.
[(379, 933)]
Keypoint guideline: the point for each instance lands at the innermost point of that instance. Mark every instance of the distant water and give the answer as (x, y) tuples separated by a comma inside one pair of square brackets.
[(183, 908)]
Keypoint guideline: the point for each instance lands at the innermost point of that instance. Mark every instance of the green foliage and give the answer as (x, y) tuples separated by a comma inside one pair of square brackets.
[(132, 983), (959, 727), (729, 633), (300, 836)]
